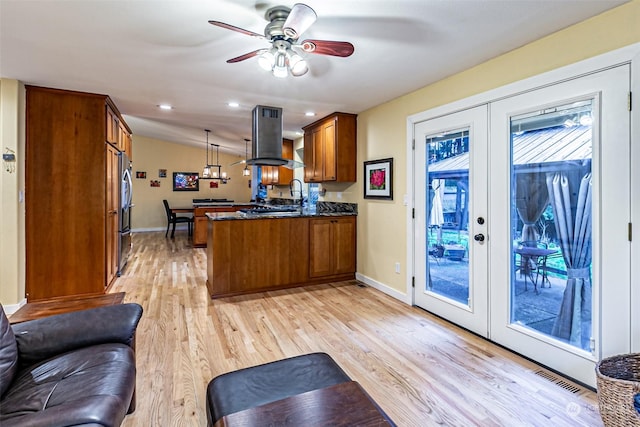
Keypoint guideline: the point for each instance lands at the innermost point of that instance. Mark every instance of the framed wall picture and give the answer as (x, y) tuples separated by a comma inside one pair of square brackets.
[(378, 179), (186, 181)]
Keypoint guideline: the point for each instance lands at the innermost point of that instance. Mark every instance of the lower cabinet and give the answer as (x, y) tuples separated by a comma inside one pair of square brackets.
[(256, 255), (332, 246), (200, 221), (113, 205)]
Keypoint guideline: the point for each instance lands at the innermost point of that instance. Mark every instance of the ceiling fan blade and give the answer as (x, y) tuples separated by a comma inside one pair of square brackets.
[(299, 20), (328, 47), (246, 56), (238, 29)]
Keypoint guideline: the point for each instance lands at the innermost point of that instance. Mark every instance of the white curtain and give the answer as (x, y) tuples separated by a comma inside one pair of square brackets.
[(436, 215), (532, 198), (570, 196)]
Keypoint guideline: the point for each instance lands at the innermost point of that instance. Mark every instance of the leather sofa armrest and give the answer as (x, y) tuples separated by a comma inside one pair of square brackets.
[(46, 337)]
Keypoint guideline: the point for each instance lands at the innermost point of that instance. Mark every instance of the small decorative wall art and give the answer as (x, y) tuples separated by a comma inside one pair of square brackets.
[(186, 181), (154, 183), (378, 179), (213, 184), (162, 173), (141, 175)]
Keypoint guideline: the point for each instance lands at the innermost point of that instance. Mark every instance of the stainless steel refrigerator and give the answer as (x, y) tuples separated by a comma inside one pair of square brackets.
[(126, 197)]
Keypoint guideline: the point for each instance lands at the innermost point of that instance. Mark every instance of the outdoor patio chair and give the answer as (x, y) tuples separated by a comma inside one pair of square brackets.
[(437, 252)]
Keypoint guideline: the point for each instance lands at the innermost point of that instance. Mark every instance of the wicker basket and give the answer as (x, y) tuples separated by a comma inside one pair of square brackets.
[(618, 380)]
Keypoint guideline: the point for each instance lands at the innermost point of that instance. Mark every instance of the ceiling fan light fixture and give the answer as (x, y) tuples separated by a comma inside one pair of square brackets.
[(267, 60), (297, 65), (299, 20), (280, 67)]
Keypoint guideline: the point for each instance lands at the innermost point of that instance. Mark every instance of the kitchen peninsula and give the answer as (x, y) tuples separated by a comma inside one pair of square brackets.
[(203, 206), (254, 252)]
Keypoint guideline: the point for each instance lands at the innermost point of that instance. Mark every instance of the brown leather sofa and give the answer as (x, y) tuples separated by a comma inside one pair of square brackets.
[(72, 369)]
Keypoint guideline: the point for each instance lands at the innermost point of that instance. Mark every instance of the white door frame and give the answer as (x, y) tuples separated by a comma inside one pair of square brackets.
[(626, 55), (611, 328), (473, 315)]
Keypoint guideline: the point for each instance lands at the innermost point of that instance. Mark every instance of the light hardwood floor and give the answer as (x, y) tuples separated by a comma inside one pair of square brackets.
[(420, 369)]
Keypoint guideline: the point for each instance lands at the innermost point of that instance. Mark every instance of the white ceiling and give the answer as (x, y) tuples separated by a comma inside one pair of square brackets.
[(143, 53)]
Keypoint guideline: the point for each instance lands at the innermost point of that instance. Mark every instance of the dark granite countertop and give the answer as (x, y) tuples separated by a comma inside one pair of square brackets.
[(323, 209), (304, 213)]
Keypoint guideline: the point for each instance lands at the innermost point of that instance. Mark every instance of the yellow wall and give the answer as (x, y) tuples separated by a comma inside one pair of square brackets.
[(382, 239), (11, 182), (150, 155), (381, 134)]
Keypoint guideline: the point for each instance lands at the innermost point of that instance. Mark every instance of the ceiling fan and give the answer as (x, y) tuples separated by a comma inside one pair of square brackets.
[(283, 31)]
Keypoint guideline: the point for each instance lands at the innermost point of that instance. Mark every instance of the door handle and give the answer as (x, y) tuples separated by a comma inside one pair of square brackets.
[(479, 237)]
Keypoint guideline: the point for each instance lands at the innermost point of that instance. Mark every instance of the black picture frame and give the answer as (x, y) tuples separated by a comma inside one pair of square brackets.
[(186, 181), (378, 179)]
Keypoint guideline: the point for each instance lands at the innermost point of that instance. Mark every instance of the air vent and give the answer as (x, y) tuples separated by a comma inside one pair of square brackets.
[(558, 381)]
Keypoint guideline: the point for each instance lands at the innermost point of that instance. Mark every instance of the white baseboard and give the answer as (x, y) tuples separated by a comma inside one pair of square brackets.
[(143, 230), (384, 288), (146, 229), (12, 308)]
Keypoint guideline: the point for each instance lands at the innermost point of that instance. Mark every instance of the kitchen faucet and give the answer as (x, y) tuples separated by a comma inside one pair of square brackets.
[(292, 192)]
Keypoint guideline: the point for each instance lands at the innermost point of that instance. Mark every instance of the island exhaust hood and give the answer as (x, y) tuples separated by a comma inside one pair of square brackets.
[(266, 144)]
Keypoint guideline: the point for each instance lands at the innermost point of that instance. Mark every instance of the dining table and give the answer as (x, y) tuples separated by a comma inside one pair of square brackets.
[(533, 258)]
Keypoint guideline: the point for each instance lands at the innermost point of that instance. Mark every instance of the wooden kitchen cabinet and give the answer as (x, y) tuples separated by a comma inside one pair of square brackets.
[(113, 129), (279, 175), (72, 184), (113, 205), (200, 221), (118, 133), (332, 243), (330, 149), (124, 139)]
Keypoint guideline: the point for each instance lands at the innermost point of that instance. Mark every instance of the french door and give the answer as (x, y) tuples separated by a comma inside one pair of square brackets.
[(451, 209), (537, 198)]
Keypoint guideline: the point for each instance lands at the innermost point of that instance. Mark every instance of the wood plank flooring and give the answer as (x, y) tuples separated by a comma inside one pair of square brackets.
[(420, 369)]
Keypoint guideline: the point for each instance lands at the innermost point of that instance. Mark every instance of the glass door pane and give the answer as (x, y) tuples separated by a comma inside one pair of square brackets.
[(448, 212), (551, 222)]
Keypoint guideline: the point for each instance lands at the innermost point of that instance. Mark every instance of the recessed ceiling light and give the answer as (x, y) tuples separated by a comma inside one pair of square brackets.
[(233, 104), (309, 114), (165, 107), (299, 133)]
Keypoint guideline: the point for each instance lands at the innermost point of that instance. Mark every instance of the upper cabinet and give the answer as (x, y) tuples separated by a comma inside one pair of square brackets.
[(330, 149), (118, 133), (279, 175)]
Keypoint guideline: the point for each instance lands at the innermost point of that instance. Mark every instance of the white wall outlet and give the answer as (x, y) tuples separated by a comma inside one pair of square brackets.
[(397, 268), (339, 195)]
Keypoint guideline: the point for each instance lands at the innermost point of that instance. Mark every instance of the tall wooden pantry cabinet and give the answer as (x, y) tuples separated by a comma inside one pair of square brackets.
[(72, 192)]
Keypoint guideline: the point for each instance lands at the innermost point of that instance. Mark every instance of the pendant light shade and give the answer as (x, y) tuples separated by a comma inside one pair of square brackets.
[(246, 171), (210, 170)]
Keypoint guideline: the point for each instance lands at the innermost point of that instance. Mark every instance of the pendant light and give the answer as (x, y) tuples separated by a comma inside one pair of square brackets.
[(213, 171), (206, 171), (246, 171)]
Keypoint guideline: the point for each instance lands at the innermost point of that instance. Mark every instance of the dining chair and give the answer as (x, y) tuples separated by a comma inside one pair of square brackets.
[(174, 219)]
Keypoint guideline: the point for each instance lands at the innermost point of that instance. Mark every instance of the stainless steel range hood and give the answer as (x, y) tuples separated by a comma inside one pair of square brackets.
[(266, 145)]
